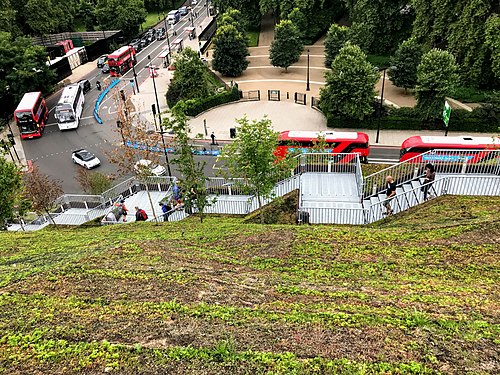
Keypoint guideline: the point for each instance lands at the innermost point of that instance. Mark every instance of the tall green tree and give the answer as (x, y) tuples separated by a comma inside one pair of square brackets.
[(193, 179), (334, 41), (190, 80), (251, 157), (125, 15), (406, 60), (287, 45), (388, 22), (349, 91), (233, 17), (436, 78), (8, 18), (11, 182), (493, 43), (23, 69), (50, 16), (230, 51), (250, 10)]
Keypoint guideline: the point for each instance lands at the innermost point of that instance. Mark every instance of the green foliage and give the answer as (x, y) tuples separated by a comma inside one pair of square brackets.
[(93, 183), (11, 182), (299, 19), (125, 15), (230, 51), (233, 17), (192, 180), (193, 107), (463, 27), (23, 69), (253, 38), (190, 80), (485, 120), (467, 94), (249, 10), (379, 26), (436, 78), (406, 60), (349, 90), (49, 16), (251, 157), (286, 47), (334, 41), (493, 42)]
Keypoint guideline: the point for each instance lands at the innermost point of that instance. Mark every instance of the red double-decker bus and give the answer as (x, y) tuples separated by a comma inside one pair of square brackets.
[(337, 142), (31, 115), (417, 145), (121, 61)]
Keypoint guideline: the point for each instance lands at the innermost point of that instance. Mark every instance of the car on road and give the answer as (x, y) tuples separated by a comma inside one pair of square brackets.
[(136, 45), (145, 166), (85, 158), (102, 60), (105, 69), (194, 2), (85, 84), (161, 33), (145, 42), (183, 11)]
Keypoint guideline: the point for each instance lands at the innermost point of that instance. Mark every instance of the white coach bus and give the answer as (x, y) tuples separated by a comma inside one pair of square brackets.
[(70, 107)]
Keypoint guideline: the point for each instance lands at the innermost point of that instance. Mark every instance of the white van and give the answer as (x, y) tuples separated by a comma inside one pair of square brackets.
[(173, 17)]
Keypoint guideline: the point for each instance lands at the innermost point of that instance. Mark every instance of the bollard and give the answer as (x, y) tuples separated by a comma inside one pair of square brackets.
[(374, 189), (415, 173)]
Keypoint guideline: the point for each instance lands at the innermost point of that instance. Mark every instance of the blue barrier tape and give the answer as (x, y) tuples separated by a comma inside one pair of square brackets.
[(100, 99), (170, 150)]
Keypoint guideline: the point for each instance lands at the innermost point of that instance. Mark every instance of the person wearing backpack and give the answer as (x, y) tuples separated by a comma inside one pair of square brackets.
[(140, 214)]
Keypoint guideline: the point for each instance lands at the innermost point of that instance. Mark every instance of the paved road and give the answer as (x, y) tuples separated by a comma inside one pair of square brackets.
[(52, 152)]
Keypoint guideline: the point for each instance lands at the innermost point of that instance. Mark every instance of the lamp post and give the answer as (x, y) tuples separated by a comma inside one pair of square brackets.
[(159, 118), (307, 84), (168, 39), (381, 99), (133, 70)]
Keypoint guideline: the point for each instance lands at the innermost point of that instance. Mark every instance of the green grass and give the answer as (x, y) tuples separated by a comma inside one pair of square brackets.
[(229, 297), (253, 38)]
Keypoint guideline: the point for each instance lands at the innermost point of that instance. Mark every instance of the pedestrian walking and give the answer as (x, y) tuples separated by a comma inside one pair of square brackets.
[(98, 85), (140, 214), (430, 176), (165, 208), (390, 193), (122, 210), (213, 138), (176, 192)]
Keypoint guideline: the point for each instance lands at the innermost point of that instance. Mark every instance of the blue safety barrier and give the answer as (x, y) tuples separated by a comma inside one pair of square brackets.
[(170, 150), (101, 97)]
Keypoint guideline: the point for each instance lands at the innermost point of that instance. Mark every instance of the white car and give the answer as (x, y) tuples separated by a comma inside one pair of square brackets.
[(194, 2), (85, 159), (147, 166)]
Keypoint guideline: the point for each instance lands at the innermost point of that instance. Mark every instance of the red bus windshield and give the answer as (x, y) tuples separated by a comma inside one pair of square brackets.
[(31, 115), (335, 142), (121, 61)]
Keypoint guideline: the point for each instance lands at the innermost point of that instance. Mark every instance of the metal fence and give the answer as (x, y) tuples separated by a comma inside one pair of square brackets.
[(274, 95), (328, 162), (300, 98), (250, 95), (315, 103), (445, 162)]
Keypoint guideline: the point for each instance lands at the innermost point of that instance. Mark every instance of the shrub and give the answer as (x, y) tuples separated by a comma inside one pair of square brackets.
[(194, 107), (479, 120)]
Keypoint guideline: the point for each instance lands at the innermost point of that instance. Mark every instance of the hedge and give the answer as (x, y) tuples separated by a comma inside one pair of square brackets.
[(479, 120), (194, 107)]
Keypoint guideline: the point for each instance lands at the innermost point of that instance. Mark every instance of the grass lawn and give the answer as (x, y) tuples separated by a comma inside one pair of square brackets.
[(253, 38), (472, 95), (414, 294)]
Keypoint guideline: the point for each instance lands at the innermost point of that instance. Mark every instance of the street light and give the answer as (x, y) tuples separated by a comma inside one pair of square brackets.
[(381, 98), (307, 85), (133, 70), (168, 39), (159, 118)]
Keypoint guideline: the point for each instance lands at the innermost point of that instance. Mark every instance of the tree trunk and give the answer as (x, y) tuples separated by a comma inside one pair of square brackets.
[(50, 216), (151, 203), (259, 200)]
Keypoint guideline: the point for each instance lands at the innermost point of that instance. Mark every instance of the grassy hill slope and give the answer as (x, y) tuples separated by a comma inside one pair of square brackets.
[(415, 294)]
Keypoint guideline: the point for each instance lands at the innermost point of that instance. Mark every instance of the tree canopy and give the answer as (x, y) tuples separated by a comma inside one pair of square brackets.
[(334, 41), (406, 60), (190, 79), (11, 182), (349, 90), (230, 51), (287, 46), (436, 78), (125, 15)]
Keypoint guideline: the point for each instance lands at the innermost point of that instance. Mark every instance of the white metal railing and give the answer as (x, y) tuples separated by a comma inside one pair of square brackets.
[(320, 215), (327, 162), (221, 185), (445, 161)]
